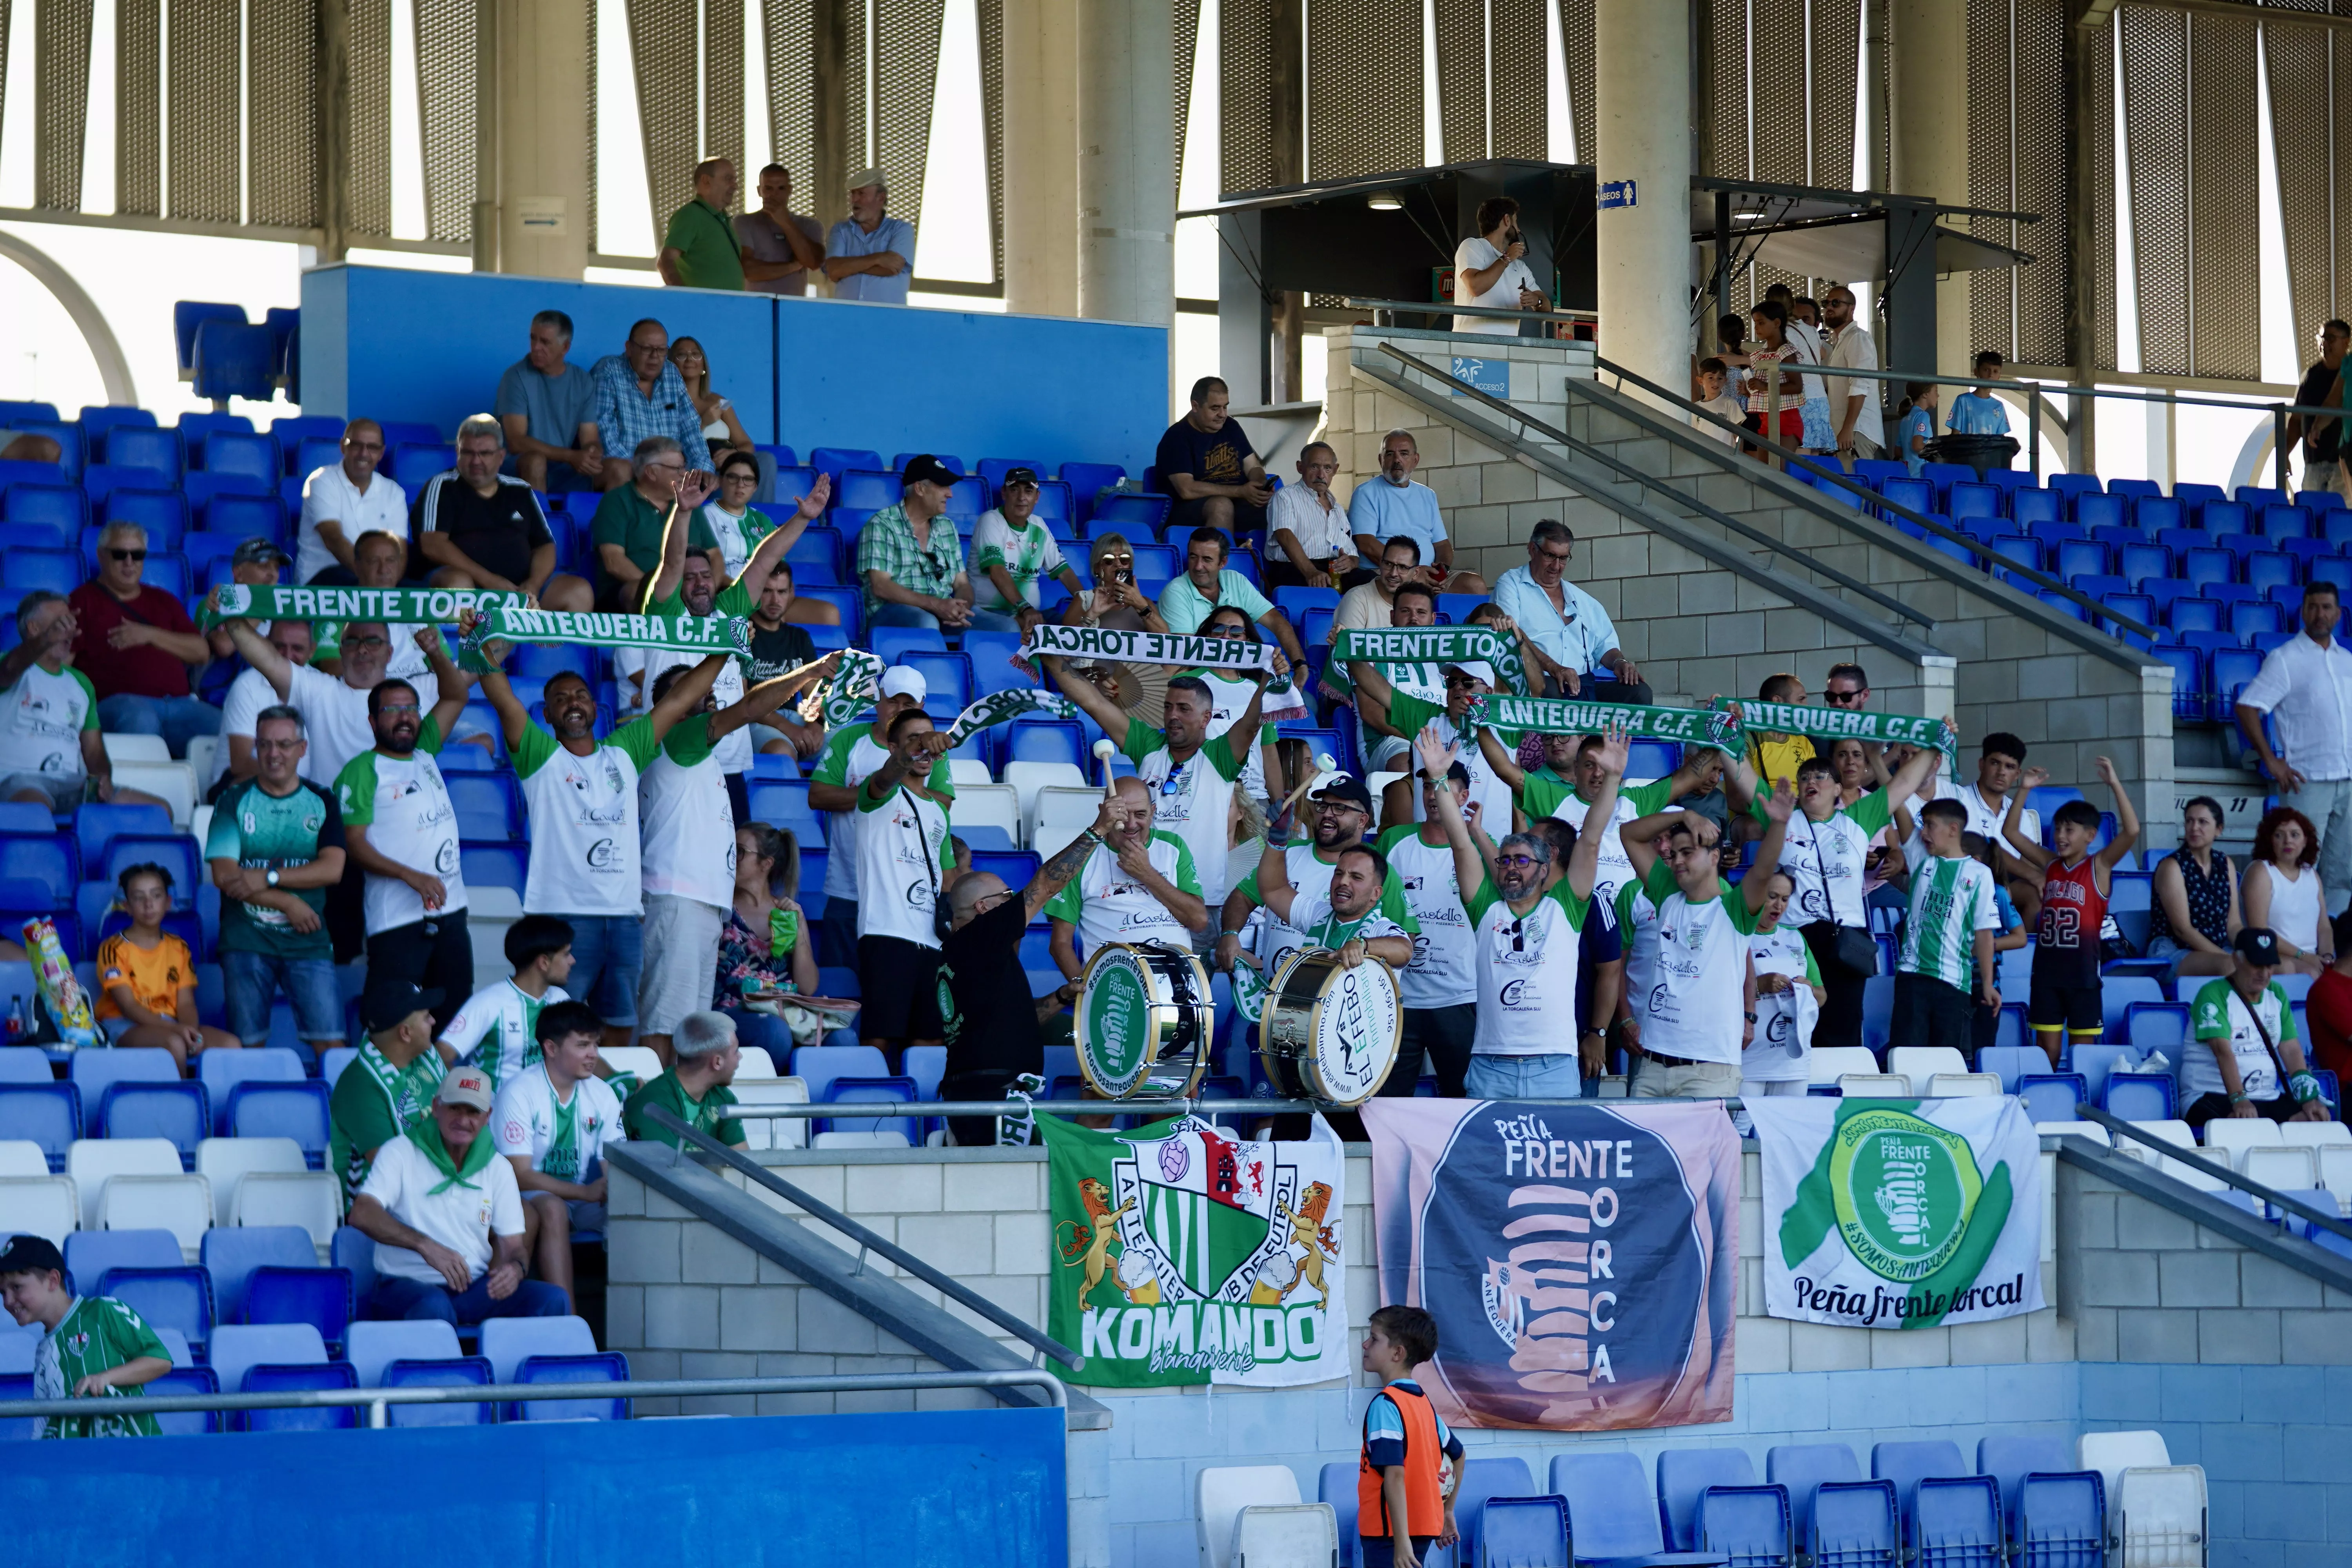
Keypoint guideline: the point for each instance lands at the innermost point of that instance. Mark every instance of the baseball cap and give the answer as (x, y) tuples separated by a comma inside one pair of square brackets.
[(1347, 788), (1477, 669), (904, 680), (923, 467), (865, 177), (386, 1003), (31, 1254), (1021, 476), (465, 1085), (258, 551), (2258, 944)]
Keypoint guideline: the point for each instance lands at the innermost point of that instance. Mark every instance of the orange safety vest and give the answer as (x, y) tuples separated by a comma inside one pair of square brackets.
[(1424, 1504)]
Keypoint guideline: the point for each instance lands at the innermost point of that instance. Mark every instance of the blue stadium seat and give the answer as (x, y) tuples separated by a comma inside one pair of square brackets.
[(2081, 556), (1918, 494), (1855, 1525), (95, 1072), (293, 431), (2156, 1025), (2224, 517), (1908, 1463), (2138, 1096), (946, 676), (504, 865), (271, 1378), (783, 803), (2100, 510), (815, 557), (413, 464), (144, 447), (444, 1372), (24, 1064), (1087, 481), (230, 452), (609, 1366), (1611, 1512), (2193, 614), (2283, 521), (2152, 513), (47, 860), (2009, 1459), (175, 853), (1683, 1474), (2052, 1095), (818, 1066), (24, 569), (174, 1295), (2074, 487), (60, 507), (178, 1383), (1045, 741), (2061, 1520), (892, 644), (2187, 677), (2035, 509), (319, 1296), (231, 1253), (177, 1111), (836, 461), (2251, 620), (1804, 1467), (188, 316), (2272, 568), (2317, 501), (1748, 1527), (90, 1253), (1968, 501), (866, 489), (1524, 1532), (163, 513), (947, 461), (486, 806), (1483, 1478), (48, 1114), (296, 1110), (375, 1346), (887, 1090)]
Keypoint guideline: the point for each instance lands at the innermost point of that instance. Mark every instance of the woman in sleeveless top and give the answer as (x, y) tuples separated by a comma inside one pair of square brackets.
[(2281, 890), (1117, 603), (721, 429), (2197, 912)]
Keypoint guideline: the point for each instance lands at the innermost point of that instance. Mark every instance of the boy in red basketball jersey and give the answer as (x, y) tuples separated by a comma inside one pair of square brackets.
[(2075, 887), (1404, 1499)]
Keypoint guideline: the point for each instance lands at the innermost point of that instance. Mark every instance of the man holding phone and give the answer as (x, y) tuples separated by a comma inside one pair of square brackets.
[(1490, 268)]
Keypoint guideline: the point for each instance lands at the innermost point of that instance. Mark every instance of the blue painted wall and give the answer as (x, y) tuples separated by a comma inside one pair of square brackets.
[(430, 346), (954, 1489)]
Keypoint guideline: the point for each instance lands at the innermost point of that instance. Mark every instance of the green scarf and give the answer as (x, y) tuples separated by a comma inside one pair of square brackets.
[(1434, 645), (998, 707), (393, 606), (1716, 727), (1839, 723), (852, 689), (702, 634), (426, 1135)]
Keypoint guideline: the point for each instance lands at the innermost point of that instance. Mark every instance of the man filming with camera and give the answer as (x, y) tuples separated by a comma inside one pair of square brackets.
[(1490, 268)]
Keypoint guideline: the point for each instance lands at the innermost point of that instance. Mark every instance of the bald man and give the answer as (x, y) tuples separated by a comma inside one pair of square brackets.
[(1140, 885), (990, 1017), (343, 500)]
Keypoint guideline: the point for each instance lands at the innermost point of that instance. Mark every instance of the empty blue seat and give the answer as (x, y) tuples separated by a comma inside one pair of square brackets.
[(94, 1072), (1974, 501), (2156, 1025), (1683, 1474), (24, 568), (2152, 513), (2138, 1096), (892, 644), (2083, 558), (180, 1382), (494, 865), (1045, 741), (2061, 1520), (2100, 510), (1524, 1532), (61, 507), (188, 316), (783, 803), (882, 1090), (2051, 1096), (866, 489), (447, 1372), (44, 858), (1908, 1464), (1803, 1467), (228, 452), (297, 1377), (2192, 614), (275, 1294), (1748, 1526), (232, 1253), (1855, 1525), (2224, 517), (609, 1366), (296, 1110), (90, 1254), (177, 1297), (177, 1111), (2008, 1460), (486, 806), (48, 1114), (1500, 1476), (2035, 509), (2282, 521), (838, 460), (1611, 1512)]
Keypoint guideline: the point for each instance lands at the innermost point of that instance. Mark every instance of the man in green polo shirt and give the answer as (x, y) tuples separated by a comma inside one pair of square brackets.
[(700, 250), (695, 1088), (627, 527)]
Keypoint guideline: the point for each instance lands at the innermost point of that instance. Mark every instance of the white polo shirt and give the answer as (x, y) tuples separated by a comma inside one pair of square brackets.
[(461, 1218), (2307, 687), (329, 496), (1853, 348)]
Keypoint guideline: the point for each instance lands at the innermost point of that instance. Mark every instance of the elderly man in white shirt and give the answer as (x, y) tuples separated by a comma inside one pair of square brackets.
[(1307, 521), (1853, 401), (343, 500), (2307, 685), (1574, 641)]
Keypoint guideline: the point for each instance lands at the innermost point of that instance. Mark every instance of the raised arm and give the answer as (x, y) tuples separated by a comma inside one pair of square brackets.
[(1503, 760), (1436, 754), (513, 717), (688, 491), (1243, 734), (2126, 823), (1055, 874), (2011, 828), (686, 694), (1584, 861), (780, 540), (257, 651), (451, 683), (1274, 887), (1779, 805), (770, 695), (1113, 719)]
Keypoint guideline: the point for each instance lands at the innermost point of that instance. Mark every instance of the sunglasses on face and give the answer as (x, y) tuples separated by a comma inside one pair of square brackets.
[(393, 710), (127, 554)]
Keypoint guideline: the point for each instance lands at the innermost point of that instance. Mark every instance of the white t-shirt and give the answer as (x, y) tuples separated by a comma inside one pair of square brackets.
[(583, 822), (248, 694), (1323, 926), (1695, 1002), (462, 1218), (851, 754), (1276, 939), (1835, 850), (45, 716), (1783, 1045), (1526, 971), (1614, 867), (1488, 793), (635, 671), (2220, 1012), (1232, 694), (1730, 408), (496, 1029), (329, 496), (734, 550), (1444, 972), (1477, 252), (902, 840), (335, 717), (526, 1115), (1195, 800), (1105, 905), (686, 821), (1855, 349), (404, 805)]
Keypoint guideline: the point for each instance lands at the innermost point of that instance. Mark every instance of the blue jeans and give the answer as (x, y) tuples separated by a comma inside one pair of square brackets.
[(995, 621), (178, 720), (765, 1030), (252, 978), (1549, 1076), (414, 1299), (608, 955), (903, 616)]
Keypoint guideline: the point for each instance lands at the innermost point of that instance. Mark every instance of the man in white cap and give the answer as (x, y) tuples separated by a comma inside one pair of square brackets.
[(445, 1215), (852, 753), (868, 256), (1410, 712)]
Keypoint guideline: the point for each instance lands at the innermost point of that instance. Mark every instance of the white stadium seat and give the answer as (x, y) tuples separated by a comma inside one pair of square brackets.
[(1961, 1085), (1028, 778), (1874, 1086), (1827, 1064), (202, 751), (968, 771), (642, 1060), (1299, 1535), (885, 1139), (182, 1204), (1219, 1496), (226, 1162), (1918, 1063), (787, 1133), (2159, 1517), (1058, 814), (2336, 1168), (2280, 1169), (173, 783), (2113, 1453), (310, 1199), (22, 1157), (2175, 1133), (756, 1063), (2229, 1138), (39, 1205), (2090, 1130), (92, 1161), (122, 749), (2314, 1133), (988, 806)]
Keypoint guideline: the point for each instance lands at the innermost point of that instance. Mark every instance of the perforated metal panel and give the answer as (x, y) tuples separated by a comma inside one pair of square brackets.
[(282, 124), (2301, 77), (1992, 139), (1575, 51), (3, 60), (722, 90), (447, 92), (370, 130), (1244, 71), (1780, 124), (2100, 109), (661, 37), (1461, 78), (859, 141), (2224, 257), (203, 106), (1184, 26), (2156, 127), (785, 31), (1834, 54), (991, 122), (906, 74), (60, 101), (1520, 92), (138, 104), (1726, 146), (1363, 107), (589, 86), (2041, 156)]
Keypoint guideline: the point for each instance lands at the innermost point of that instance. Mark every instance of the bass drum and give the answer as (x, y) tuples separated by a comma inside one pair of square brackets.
[(1145, 1021), (1330, 1035)]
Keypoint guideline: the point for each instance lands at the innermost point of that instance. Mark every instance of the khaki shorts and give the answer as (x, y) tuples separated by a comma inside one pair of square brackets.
[(681, 962)]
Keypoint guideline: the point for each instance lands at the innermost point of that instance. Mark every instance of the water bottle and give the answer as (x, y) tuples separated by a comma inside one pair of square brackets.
[(17, 1026)]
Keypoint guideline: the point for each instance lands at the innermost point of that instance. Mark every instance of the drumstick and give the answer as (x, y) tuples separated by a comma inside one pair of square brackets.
[(1103, 750), (1323, 763)]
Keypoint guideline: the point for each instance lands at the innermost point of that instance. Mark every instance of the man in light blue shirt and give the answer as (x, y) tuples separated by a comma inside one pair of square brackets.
[(868, 256), (1208, 584), (1395, 504), (1575, 642)]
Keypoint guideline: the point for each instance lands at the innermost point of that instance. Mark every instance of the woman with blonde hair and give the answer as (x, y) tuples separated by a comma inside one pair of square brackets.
[(1117, 604)]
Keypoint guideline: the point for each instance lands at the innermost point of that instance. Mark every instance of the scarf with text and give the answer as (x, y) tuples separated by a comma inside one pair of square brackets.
[(702, 634), (1397, 648), (998, 707), (850, 692), (393, 606), (1846, 723), (1147, 647), (1716, 727)]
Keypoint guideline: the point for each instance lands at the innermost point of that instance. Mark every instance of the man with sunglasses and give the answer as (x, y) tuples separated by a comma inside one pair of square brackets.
[(1568, 793), (1369, 605), (910, 562), (1408, 714), (139, 648), (1341, 810), (56, 755), (1526, 929), (1379, 739)]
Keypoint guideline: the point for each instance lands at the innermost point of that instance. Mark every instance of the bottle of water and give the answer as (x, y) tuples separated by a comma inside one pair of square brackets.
[(17, 1025)]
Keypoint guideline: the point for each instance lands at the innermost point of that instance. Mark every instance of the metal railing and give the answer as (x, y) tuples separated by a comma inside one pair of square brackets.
[(1392, 308), (1756, 536), (2192, 1156), (1872, 499), (869, 1240), (379, 1401)]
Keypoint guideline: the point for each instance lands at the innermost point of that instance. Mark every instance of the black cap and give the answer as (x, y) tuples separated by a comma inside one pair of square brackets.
[(2258, 946), (1021, 476), (387, 1004), (31, 1254), (259, 551), (923, 466), (1346, 787)]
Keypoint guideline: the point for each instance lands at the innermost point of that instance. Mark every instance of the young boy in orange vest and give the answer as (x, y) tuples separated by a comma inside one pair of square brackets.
[(1405, 1502)]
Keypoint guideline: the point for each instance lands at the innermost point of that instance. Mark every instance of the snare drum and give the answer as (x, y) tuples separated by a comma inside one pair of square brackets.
[(1329, 1033), (1145, 1021)]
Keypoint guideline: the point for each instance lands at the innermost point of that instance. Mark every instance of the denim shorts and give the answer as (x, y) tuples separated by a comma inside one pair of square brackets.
[(608, 953), (252, 979), (1546, 1076)]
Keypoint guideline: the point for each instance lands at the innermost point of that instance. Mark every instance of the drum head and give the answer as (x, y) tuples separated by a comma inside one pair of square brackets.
[(1359, 1021), (1116, 1034)]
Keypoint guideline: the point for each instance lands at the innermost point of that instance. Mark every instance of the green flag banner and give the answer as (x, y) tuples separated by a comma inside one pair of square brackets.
[(852, 689), (703, 635), (998, 707), (1716, 726), (1185, 1257), (1841, 723), (392, 607), (1435, 646), (1147, 647)]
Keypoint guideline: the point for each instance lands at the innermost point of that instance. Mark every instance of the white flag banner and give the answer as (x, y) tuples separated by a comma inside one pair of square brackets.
[(1900, 1214)]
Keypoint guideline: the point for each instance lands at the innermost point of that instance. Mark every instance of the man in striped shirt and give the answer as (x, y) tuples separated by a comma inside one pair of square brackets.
[(1953, 922)]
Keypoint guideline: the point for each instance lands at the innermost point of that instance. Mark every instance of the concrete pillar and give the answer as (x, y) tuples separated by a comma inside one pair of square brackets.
[(835, 153), (1126, 163), (1929, 65), (1041, 157), (541, 119), (1642, 100)]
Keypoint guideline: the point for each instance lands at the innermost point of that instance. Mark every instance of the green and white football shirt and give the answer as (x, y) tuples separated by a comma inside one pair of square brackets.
[(497, 1030), (404, 805), (1027, 555), (97, 1333), (46, 713), (583, 821), (1951, 901)]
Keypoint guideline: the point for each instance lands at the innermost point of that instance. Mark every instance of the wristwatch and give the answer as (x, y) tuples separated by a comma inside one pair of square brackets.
[(272, 878), (1751, 1016)]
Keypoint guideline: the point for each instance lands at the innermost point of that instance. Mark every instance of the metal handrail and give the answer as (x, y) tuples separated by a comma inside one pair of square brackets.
[(2199, 1162), (885, 1109), (1753, 535), (1447, 307), (870, 1240), (1920, 519), (379, 1400)]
